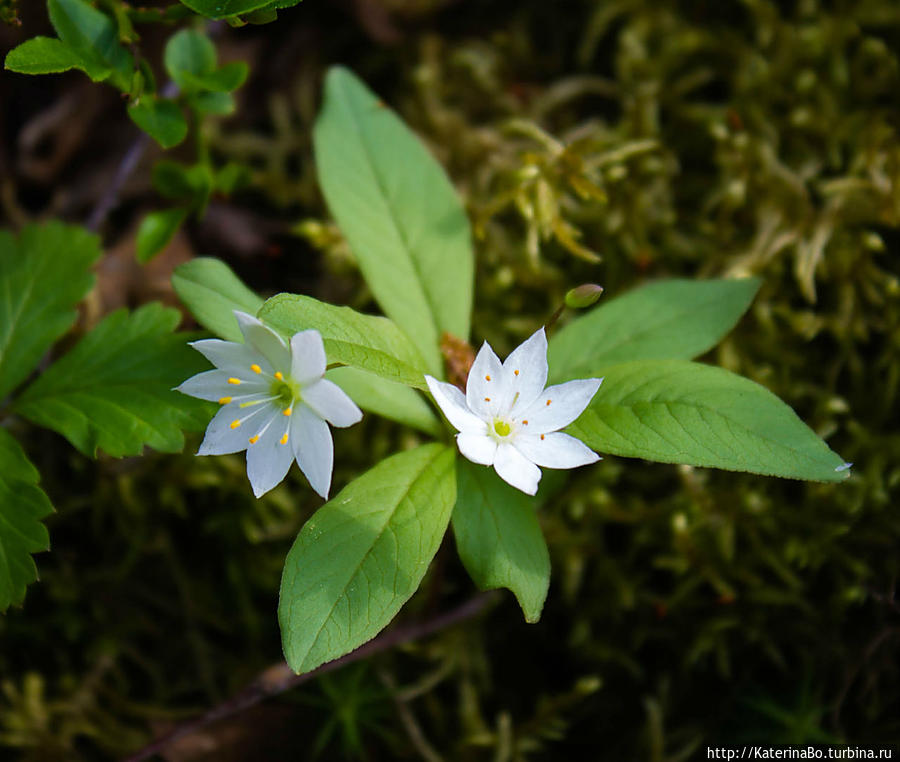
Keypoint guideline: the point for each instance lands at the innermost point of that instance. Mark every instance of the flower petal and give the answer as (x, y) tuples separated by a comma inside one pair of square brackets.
[(265, 341), (222, 438), (268, 460), (453, 404), (559, 405), (331, 402), (479, 448), (211, 385), (307, 356), (313, 448), (526, 372), (555, 450), (515, 469), (230, 356), (485, 390)]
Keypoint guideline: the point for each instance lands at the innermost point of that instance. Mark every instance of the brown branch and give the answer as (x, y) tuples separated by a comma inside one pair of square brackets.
[(280, 678)]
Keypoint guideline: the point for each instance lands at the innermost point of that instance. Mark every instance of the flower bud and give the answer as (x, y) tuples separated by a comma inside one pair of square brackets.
[(583, 296)]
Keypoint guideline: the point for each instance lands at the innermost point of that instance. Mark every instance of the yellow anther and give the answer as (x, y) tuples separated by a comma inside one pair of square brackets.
[(254, 439), (255, 368), (287, 411), (224, 400), (516, 372), (487, 378), (235, 424), (549, 401), (284, 439), (235, 381), (542, 437), (525, 422), (487, 399), (279, 376)]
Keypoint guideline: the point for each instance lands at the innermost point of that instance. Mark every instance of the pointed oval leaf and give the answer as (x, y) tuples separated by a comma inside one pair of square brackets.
[(42, 55), (161, 119), (676, 411), (363, 554), (220, 9), (156, 230)]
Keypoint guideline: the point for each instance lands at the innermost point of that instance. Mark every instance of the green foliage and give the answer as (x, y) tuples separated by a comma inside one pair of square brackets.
[(156, 230), (113, 391), (499, 538), (398, 211), (43, 275), (161, 119), (190, 184), (682, 412), (363, 554), (22, 505), (190, 60), (368, 342), (42, 55)]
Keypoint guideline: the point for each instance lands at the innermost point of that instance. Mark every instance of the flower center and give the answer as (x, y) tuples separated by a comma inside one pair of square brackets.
[(501, 428), (285, 391)]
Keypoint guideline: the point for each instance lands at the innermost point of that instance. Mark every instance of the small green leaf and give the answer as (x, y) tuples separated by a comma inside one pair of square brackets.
[(22, 506), (220, 104), (367, 342), (189, 52), (113, 390), (223, 80), (161, 119), (499, 538), (43, 276), (211, 291), (363, 554), (156, 230), (42, 55), (399, 213), (672, 319), (181, 183), (676, 411), (387, 399)]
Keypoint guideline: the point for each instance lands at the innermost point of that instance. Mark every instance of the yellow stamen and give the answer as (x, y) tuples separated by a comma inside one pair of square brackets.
[(279, 376), (487, 378), (542, 437), (516, 372), (254, 439), (549, 401), (487, 399), (235, 424), (235, 381), (224, 400), (287, 411), (525, 422), (255, 368), (284, 439)]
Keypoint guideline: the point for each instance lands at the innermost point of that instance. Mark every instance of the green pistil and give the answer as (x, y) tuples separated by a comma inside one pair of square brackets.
[(502, 428), (286, 392)]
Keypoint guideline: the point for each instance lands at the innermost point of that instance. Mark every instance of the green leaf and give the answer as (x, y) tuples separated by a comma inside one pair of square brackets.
[(220, 104), (180, 183), (229, 77), (367, 342), (189, 52), (387, 399), (161, 119), (499, 538), (42, 55), (399, 213), (22, 506), (156, 230), (113, 390), (94, 38), (219, 9), (211, 291), (363, 554), (43, 276), (676, 411), (669, 320)]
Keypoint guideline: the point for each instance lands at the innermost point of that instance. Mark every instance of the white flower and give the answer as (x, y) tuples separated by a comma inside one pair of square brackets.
[(275, 404), (508, 420)]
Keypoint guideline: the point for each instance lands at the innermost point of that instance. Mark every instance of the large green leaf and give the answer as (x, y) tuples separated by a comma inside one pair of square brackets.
[(219, 9), (22, 506), (668, 320), (363, 554), (499, 538), (676, 411), (42, 55), (211, 291), (43, 276), (113, 391), (399, 213), (367, 342), (386, 398)]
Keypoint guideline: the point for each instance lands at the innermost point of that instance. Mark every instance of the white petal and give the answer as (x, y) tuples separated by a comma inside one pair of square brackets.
[(526, 372), (453, 404), (211, 385), (264, 341), (485, 390), (307, 356), (479, 448), (556, 450), (313, 448), (222, 439), (331, 402), (515, 469), (230, 356), (559, 405), (268, 460)]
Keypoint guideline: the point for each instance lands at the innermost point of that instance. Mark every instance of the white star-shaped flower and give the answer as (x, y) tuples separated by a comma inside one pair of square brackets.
[(275, 404), (508, 420)]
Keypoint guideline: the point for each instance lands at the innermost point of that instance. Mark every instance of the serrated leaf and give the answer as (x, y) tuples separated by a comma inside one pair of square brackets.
[(387, 399), (367, 342), (499, 538), (42, 55), (156, 230), (676, 411), (399, 213), (22, 506), (161, 119), (363, 554), (672, 319), (211, 291), (113, 390), (219, 9), (43, 275)]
